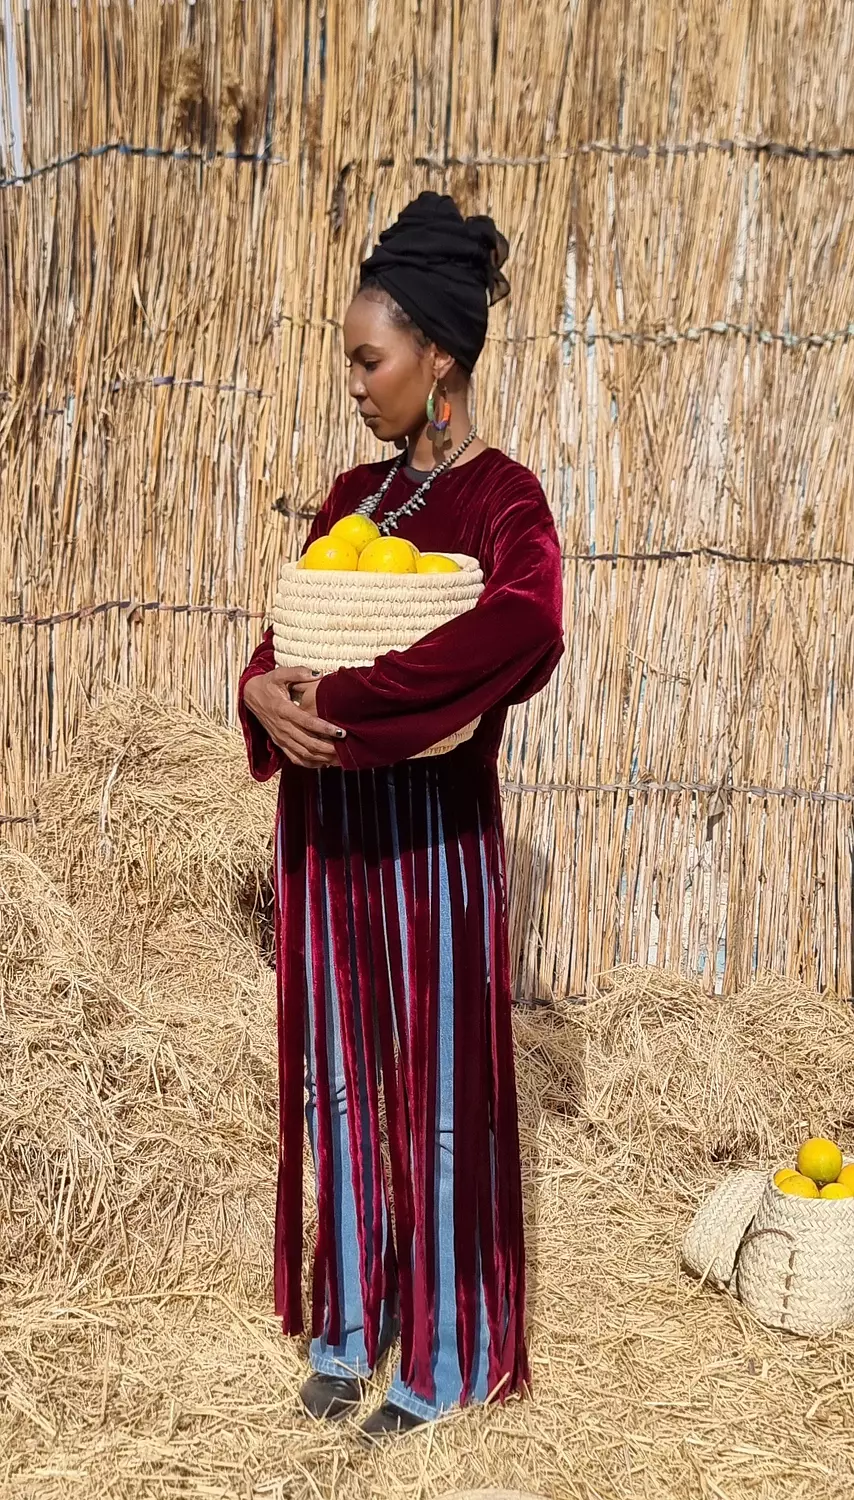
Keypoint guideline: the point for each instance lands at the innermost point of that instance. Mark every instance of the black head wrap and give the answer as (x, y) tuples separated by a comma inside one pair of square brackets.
[(444, 271)]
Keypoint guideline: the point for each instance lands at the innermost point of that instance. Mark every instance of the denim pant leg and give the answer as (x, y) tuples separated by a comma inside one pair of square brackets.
[(446, 1362), (349, 1357)]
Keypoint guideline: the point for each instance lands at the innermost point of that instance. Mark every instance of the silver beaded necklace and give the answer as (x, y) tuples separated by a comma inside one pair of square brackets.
[(419, 499)]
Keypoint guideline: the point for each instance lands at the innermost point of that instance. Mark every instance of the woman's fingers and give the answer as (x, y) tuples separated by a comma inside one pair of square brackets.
[(297, 741), (320, 727), (310, 762), (286, 676), (314, 725), (305, 739)]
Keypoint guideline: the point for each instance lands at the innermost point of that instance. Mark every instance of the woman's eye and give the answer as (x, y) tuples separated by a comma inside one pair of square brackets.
[(371, 365)]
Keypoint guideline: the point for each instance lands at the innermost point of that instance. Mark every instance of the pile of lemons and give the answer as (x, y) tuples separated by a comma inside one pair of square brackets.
[(819, 1173), (355, 544)]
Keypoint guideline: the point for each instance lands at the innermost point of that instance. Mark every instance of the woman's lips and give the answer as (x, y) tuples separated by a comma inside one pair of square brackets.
[(368, 419)]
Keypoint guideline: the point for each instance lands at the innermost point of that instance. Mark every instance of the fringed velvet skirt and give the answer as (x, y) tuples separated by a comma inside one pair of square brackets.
[(370, 865)]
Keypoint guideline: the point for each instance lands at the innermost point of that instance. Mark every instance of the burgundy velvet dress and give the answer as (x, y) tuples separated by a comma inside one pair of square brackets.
[(357, 878)]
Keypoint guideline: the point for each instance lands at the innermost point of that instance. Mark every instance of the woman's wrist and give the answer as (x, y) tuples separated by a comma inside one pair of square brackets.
[(250, 691)]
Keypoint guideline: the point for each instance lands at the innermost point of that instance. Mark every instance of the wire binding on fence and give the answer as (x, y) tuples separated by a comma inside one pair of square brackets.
[(665, 337), (637, 150), (640, 787), (647, 787), (158, 153), (646, 150), (660, 338), (235, 612), (715, 554), (134, 607), (190, 383)]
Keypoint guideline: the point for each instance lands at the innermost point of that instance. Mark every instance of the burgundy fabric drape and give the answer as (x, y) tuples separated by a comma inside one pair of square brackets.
[(369, 830)]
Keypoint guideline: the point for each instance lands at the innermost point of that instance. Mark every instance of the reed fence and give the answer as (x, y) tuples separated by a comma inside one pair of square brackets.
[(181, 221)]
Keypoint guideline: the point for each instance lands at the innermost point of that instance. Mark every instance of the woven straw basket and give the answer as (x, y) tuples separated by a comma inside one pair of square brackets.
[(796, 1265), (711, 1245), (327, 620), (490, 1495)]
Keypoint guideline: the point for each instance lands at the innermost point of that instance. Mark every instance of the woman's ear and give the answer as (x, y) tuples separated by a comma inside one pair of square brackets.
[(443, 364)]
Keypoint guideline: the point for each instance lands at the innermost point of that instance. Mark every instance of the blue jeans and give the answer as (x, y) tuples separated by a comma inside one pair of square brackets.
[(349, 1356)]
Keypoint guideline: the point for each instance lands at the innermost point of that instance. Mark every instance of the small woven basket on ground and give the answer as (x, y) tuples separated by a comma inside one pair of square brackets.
[(490, 1495), (711, 1245), (327, 620), (796, 1265)]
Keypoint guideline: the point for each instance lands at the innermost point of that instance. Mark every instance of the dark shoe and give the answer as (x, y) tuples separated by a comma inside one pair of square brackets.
[(389, 1421), (330, 1396)]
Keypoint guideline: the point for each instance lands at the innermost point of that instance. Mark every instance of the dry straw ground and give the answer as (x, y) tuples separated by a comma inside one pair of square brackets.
[(137, 1097), (676, 363)]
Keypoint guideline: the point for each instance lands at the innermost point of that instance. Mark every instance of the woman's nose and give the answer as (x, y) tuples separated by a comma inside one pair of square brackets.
[(356, 386)]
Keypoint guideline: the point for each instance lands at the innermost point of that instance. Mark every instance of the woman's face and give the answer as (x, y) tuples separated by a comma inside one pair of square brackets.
[(390, 373)]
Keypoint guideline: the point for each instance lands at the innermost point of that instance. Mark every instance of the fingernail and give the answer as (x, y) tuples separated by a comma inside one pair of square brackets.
[(315, 674), (342, 734)]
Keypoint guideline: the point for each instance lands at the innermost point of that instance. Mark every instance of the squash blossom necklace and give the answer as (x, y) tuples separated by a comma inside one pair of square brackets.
[(419, 499)]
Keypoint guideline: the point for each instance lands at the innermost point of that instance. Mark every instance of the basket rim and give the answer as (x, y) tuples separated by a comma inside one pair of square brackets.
[(470, 572)]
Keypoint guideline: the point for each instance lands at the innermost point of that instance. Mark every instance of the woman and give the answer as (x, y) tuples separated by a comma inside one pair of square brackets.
[(392, 952)]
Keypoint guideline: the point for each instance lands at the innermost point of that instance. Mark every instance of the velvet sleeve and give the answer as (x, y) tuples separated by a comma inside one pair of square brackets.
[(501, 652), (265, 757)]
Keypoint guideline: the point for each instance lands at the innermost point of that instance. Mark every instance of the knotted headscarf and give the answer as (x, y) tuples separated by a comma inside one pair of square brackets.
[(444, 271)]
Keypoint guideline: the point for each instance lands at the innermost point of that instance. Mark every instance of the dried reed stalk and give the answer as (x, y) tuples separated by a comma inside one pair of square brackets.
[(684, 672)]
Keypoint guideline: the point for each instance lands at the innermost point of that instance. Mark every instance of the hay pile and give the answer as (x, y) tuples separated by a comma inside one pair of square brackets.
[(137, 1119), (675, 1082), (156, 813), (137, 1104)]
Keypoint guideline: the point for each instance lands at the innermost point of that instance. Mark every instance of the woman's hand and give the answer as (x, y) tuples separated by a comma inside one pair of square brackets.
[(305, 694), (306, 740)]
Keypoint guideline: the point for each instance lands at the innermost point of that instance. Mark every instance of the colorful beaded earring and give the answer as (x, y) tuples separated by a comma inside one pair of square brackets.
[(441, 418)]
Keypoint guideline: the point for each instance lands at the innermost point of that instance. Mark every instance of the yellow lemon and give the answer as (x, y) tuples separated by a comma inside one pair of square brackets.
[(847, 1175), (784, 1172), (820, 1159), (436, 562), (389, 554), (328, 555), (357, 530), (836, 1190), (799, 1186)]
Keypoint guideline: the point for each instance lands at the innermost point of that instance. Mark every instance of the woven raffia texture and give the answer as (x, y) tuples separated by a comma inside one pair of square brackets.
[(181, 217), (711, 1245), (330, 620), (796, 1266), (489, 1495)]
